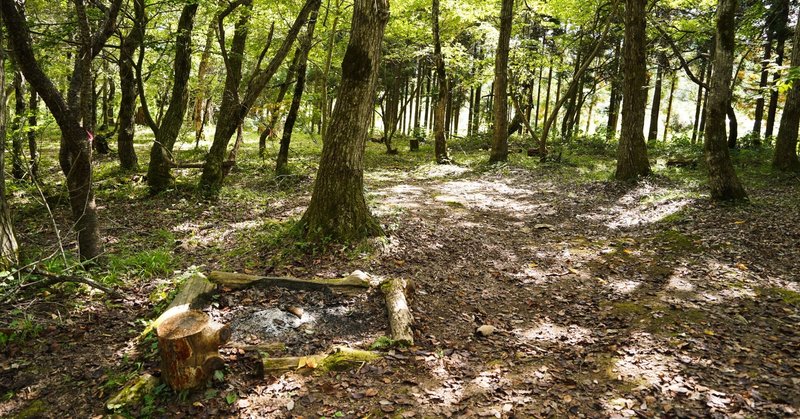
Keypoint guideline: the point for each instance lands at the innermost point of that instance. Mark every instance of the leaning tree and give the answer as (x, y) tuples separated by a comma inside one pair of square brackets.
[(338, 209), (75, 155)]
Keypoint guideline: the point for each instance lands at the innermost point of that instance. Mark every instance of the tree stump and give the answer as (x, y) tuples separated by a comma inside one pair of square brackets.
[(189, 345)]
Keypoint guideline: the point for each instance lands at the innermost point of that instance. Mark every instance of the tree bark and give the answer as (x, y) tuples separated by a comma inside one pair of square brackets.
[(443, 86), (632, 159), (338, 209), (159, 175), (655, 109), (762, 86), (500, 136), (17, 132), (127, 78), (8, 241), (699, 103), (283, 153), (722, 177), (33, 149), (785, 157)]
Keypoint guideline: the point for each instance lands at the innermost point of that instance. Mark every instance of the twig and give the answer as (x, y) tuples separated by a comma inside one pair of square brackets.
[(54, 279)]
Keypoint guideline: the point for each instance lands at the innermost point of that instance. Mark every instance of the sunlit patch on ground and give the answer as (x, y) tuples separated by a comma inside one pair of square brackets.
[(548, 331), (645, 204), (623, 286)]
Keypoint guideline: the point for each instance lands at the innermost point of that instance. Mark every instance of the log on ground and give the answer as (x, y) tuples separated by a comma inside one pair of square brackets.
[(237, 281), (341, 358), (133, 392), (400, 318)]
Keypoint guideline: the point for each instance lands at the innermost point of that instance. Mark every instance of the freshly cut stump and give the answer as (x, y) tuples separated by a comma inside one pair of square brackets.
[(189, 345)]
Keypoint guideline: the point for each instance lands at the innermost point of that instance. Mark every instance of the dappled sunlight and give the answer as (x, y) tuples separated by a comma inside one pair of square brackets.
[(492, 196), (677, 283), (644, 204), (547, 331), (436, 171), (623, 286)]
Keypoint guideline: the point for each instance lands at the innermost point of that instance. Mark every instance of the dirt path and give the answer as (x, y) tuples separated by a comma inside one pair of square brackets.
[(607, 301)]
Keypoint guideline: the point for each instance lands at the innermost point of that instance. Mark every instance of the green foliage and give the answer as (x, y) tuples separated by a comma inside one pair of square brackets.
[(21, 329)]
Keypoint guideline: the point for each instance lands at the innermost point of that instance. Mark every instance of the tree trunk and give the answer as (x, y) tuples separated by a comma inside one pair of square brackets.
[(8, 241), (338, 209), (476, 114), (701, 127), (632, 159), (778, 23), (655, 109), (699, 104), (500, 138), (33, 149), (673, 82), (200, 91), (277, 107), (17, 134), (234, 107), (159, 175), (283, 154), (615, 96), (440, 142), (327, 69), (127, 80), (785, 157), (733, 127), (721, 175), (762, 90), (75, 155)]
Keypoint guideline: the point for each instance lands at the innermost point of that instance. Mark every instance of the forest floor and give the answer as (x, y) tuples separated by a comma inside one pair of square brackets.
[(608, 299)]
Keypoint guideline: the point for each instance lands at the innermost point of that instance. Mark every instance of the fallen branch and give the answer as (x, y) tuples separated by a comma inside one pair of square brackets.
[(341, 358), (238, 281), (52, 278), (400, 318)]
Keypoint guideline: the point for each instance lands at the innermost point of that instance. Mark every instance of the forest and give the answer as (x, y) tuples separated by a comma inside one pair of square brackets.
[(407, 208)]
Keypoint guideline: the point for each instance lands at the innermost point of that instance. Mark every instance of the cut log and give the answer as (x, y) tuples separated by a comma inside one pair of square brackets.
[(133, 393), (189, 345), (235, 281), (268, 347), (341, 358), (400, 318), (195, 286)]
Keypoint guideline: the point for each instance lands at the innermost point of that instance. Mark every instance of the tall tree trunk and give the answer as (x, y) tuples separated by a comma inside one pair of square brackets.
[(701, 127), (128, 85), (499, 151), (277, 107), (615, 96), (75, 155), (476, 114), (33, 149), (672, 83), (302, 64), (235, 107), (722, 177), (762, 87), (632, 159), (338, 209), (8, 241), (159, 175), (17, 132), (326, 71), (655, 109), (200, 90), (443, 85), (699, 104), (785, 157), (779, 22)]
